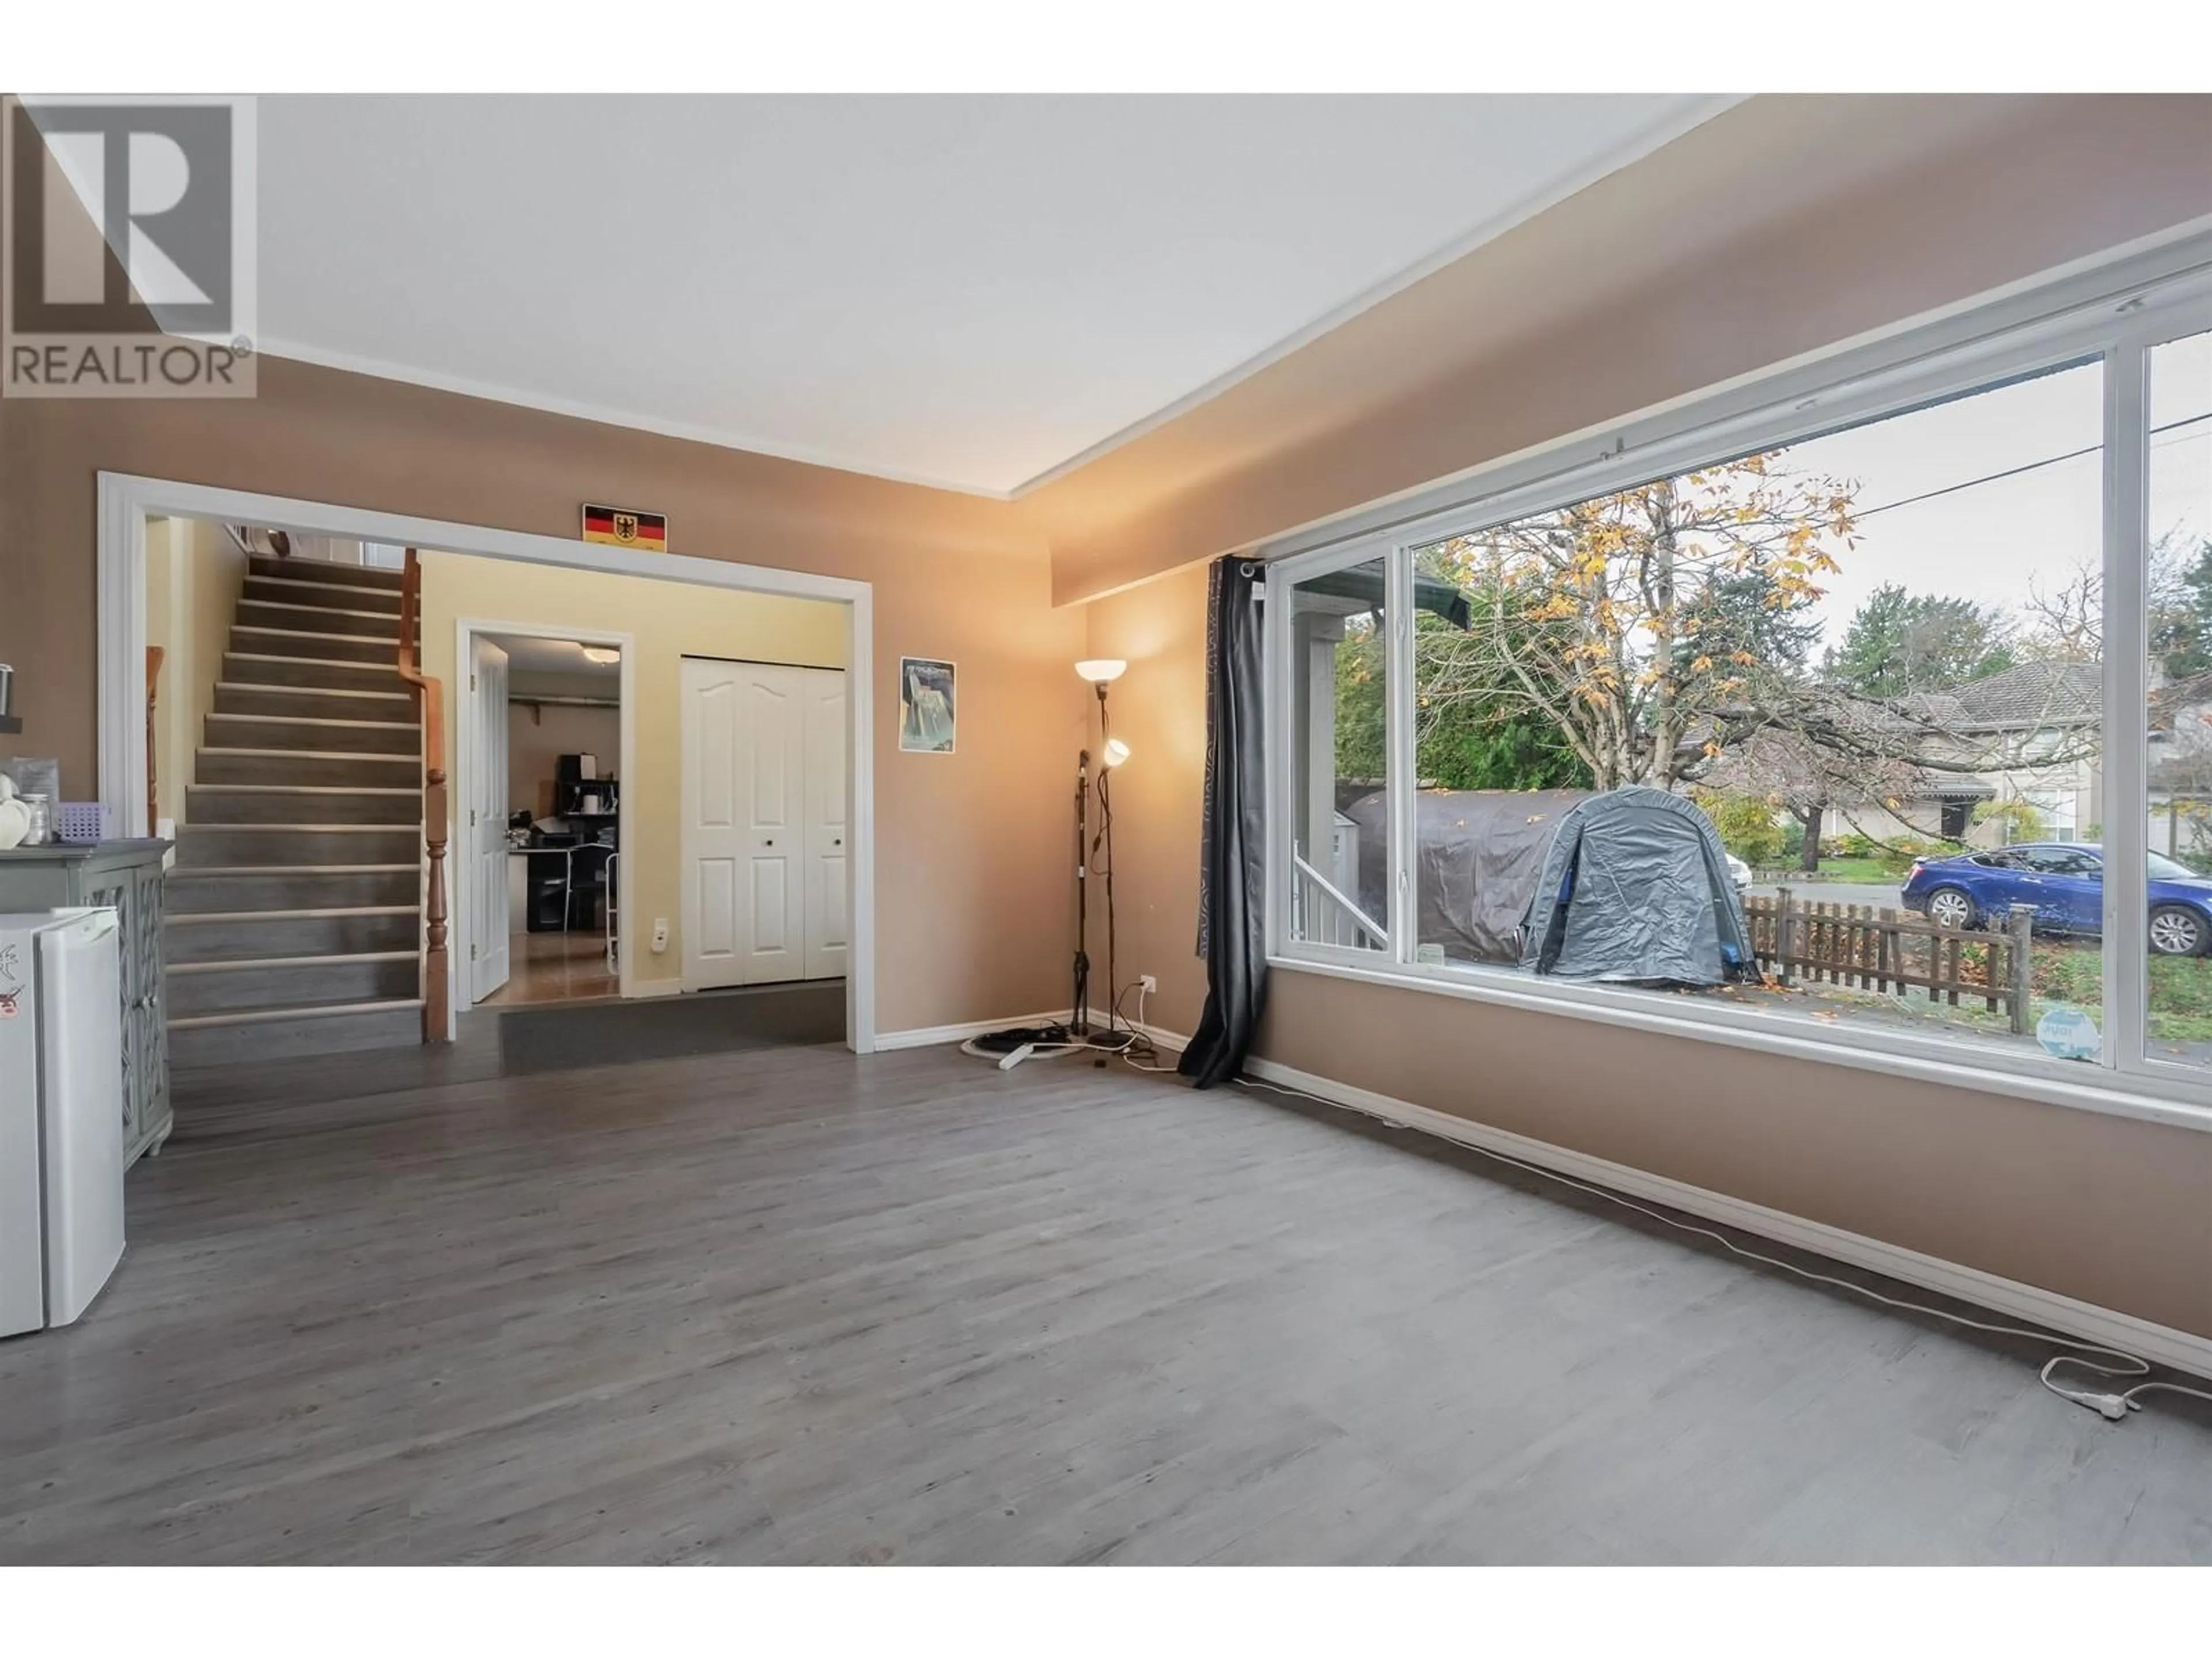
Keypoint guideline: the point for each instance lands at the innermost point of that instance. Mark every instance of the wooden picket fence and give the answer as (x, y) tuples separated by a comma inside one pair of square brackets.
[(1882, 950)]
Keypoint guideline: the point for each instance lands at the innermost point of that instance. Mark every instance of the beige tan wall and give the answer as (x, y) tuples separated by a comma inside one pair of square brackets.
[(539, 734), (2114, 1210), (973, 913), (194, 575), (1159, 708), (667, 622)]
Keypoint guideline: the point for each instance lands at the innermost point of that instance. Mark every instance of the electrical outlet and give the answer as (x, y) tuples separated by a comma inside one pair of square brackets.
[(1148, 984), (659, 934)]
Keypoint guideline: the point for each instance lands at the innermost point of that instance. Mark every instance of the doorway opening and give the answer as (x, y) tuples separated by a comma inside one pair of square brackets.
[(543, 782), (674, 587)]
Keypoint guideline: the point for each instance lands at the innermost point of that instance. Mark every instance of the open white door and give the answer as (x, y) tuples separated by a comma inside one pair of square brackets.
[(824, 729), (742, 840), (487, 820)]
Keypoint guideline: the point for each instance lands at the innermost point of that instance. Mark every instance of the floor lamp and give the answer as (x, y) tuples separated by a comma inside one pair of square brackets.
[(1101, 672)]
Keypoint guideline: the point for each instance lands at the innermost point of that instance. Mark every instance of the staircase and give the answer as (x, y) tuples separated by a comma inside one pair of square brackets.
[(295, 907)]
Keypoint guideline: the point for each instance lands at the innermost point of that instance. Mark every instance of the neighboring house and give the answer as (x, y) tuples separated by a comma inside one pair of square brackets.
[(2031, 733), (2180, 774)]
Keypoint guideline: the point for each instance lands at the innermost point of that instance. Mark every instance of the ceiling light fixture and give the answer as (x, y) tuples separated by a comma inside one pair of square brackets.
[(601, 653)]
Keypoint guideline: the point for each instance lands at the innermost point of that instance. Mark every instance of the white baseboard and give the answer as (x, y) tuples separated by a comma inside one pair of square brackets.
[(2184, 1351), (642, 988), (926, 1036), (1167, 1042)]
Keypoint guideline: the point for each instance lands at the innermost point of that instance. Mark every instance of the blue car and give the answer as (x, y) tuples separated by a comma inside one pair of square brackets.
[(2063, 884)]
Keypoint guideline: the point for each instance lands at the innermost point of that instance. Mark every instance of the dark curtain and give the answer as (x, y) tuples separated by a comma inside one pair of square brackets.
[(1231, 876)]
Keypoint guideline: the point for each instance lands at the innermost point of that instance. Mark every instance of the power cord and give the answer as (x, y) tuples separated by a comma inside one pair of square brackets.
[(2113, 1406), (1141, 1048)]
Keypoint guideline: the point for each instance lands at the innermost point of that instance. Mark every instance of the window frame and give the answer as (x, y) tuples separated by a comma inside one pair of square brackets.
[(2112, 311)]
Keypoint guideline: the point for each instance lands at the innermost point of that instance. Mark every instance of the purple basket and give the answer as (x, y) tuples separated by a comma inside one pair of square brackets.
[(83, 821)]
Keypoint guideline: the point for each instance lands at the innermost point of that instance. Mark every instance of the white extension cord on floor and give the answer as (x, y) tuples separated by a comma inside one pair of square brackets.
[(2112, 1405)]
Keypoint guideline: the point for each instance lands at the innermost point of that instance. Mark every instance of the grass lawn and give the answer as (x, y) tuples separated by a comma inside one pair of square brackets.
[(2181, 988), (1871, 870)]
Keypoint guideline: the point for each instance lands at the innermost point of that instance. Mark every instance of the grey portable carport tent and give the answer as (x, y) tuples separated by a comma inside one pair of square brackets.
[(1635, 887)]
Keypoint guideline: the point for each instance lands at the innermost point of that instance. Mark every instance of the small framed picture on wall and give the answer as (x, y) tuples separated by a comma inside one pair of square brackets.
[(928, 721)]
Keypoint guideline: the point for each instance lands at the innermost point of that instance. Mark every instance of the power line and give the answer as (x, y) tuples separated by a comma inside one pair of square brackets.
[(2014, 471)]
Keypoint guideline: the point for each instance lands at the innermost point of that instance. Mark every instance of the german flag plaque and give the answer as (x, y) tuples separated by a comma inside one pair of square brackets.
[(625, 527)]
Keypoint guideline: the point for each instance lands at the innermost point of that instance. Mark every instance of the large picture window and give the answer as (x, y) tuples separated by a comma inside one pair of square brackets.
[(1809, 734)]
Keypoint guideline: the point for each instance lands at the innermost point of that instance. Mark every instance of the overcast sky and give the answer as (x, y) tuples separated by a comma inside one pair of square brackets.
[(1988, 542)]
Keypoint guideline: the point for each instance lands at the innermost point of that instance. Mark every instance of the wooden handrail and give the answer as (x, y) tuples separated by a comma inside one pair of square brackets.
[(430, 706)]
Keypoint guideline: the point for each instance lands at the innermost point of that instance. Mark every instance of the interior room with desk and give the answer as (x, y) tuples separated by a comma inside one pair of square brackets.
[(562, 819)]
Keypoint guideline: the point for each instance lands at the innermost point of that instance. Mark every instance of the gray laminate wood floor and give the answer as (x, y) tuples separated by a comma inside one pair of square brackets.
[(776, 1304)]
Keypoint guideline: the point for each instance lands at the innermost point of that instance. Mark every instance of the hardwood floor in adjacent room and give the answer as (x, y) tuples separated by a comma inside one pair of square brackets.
[(555, 968), (779, 1304)]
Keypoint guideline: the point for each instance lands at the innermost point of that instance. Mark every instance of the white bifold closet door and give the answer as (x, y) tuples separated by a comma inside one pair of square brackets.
[(764, 834)]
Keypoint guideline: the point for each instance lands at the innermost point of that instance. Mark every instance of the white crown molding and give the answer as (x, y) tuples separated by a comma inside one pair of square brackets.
[(1653, 138), (577, 408)]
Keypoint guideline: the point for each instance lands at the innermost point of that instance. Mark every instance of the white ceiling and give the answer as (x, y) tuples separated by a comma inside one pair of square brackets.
[(966, 291), (526, 654)]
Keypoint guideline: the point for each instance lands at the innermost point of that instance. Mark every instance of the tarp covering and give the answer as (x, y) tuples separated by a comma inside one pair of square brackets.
[(1635, 886), (1478, 854)]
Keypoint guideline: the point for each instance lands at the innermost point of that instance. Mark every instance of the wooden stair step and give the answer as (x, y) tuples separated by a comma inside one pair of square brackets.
[(322, 570), (293, 803), (247, 985), (240, 845), (335, 769), (264, 669), (314, 733), (293, 590), (317, 619), (285, 1032), (238, 935), (319, 647), (291, 887)]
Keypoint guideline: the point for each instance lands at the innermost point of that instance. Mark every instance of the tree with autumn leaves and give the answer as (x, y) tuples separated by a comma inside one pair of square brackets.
[(1652, 629)]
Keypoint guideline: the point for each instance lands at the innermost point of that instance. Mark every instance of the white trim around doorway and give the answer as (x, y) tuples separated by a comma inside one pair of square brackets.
[(127, 500), (460, 919)]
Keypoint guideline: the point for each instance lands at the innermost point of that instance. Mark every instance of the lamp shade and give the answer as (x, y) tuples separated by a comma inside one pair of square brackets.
[(1116, 752), (1099, 669)]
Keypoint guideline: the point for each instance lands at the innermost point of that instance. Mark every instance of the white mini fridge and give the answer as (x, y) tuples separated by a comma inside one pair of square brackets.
[(61, 1115)]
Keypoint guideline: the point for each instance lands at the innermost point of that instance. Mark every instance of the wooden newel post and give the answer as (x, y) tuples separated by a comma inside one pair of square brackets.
[(436, 980), (2019, 927)]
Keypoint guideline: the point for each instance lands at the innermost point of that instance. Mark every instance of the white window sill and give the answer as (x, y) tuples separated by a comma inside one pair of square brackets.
[(2183, 1103)]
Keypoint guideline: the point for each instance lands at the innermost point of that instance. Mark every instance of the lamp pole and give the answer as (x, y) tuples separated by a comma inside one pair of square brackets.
[(1106, 833), (1079, 1020), (1097, 670)]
